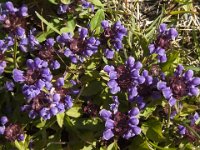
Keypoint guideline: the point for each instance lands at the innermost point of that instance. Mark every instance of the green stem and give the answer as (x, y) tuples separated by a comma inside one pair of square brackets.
[(15, 54), (169, 114), (125, 53), (81, 91)]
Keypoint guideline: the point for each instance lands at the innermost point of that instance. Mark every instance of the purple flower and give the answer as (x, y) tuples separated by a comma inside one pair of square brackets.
[(68, 102), (181, 130), (54, 111), (108, 134), (2, 66), (179, 85), (87, 4), (11, 131), (134, 111), (194, 119), (20, 137), (23, 11), (80, 47), (105, 114), (9, 85), (47, 104), (126, 77), (114, 35), (29, 42), (109, 54), (162, 42), (120, 124), (40, 84), (55, 65), (2, 130), (60, 82), (31, 91), (63, 8), (56, 97), (10, 7), (4, 120), (20, 31), (18, 75), (50, 42), (134, 121), (109, 124)]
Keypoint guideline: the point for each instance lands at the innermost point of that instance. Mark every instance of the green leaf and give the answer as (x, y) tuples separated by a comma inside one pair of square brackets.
[(91, 66), (181, 12), (139, 143), (153, 130), (93, 88), (71, 24), (60, 119), (65, 1), (96, 21), (41, 124), (53, 1), (150, 108), (183, 1), (89, 147), (74, 111), (113, 146), (88, 124), (188, 109), (173, 59), (42, 37), (20, 145), (154, 25), (47, 23), (96, 2), (197, 69), (148, 111)]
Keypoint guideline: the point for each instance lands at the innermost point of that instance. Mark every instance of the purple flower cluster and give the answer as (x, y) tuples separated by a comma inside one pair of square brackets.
[(125, 77), (64, 8), (147, 90), (44, 98), (10, 131), (163, 41), (5, 44), (47, 52), (120, 124), (78, 48), (35, 78), (114, 35), (27, 42), (11, 17), (47, 105), (179, 85)]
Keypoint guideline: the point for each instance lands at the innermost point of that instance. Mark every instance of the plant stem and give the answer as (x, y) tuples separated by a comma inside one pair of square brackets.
[(15, 54), (169, 114)]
